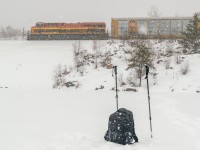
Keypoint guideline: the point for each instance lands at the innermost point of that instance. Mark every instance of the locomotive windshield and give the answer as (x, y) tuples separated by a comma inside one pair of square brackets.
[(39, 24)]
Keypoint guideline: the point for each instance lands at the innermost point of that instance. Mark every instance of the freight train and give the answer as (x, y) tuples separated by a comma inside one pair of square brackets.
[(160, 28), (121, 28), (68, 31)]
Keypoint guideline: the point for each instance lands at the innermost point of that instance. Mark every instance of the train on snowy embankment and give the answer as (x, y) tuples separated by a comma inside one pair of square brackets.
[(121, 28), (68, 31)]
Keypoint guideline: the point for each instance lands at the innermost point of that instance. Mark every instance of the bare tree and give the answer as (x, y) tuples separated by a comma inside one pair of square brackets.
[(65, 70), (82, 61), (167, 63), (76, 51), (178, 56), (77, 46), (58, 77), (97, 51), (106, 59), (154, 12)]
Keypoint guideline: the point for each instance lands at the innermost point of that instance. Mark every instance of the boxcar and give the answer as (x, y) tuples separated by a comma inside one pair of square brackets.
[(162, 27)]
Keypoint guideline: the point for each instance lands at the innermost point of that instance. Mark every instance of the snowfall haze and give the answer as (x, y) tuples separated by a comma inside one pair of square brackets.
[(34, 116), (25, 13)]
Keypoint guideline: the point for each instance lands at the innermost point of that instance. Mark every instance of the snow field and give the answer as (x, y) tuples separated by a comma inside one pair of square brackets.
[(36, 117)]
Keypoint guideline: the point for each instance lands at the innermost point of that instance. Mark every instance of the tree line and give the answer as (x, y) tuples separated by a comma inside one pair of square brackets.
[(9, 32)]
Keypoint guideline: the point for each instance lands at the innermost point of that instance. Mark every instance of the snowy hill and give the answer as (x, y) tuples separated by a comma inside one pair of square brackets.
[(34, 116)]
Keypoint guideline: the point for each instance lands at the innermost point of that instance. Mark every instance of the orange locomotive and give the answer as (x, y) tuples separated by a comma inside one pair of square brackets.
[(68, 31)]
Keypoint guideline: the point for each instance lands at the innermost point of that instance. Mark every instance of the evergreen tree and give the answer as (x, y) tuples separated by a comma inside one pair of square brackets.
[(140, 56), (191, 37)]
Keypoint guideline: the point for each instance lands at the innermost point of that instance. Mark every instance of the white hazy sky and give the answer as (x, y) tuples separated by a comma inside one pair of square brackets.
[(24, 13)]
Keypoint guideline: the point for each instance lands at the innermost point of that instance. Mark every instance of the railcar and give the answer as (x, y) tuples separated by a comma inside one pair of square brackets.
[(68, 31), (159, 28)]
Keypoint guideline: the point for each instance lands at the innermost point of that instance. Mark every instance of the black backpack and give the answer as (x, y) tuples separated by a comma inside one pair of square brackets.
[(121, 127)]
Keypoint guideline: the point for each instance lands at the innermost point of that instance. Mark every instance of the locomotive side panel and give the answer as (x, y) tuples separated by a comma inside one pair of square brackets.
[(68, 31)]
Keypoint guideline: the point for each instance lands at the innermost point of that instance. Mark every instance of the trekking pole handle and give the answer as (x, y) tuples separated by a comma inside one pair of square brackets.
[(115, 69), (147, 71)]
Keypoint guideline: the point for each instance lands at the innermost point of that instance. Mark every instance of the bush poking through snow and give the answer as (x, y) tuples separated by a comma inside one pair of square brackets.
[(159, 61), (130, 89), (99, 88), (185, 68), (70, 84), (114, 89)]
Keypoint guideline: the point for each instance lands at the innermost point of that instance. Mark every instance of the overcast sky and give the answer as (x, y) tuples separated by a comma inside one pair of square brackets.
[(25, 13)]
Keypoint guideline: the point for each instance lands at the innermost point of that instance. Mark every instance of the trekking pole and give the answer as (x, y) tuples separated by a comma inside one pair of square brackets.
[(147, 72), (115, 71)]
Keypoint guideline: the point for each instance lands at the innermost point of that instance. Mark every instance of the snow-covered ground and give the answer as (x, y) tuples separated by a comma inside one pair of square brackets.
[(36, 117)]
